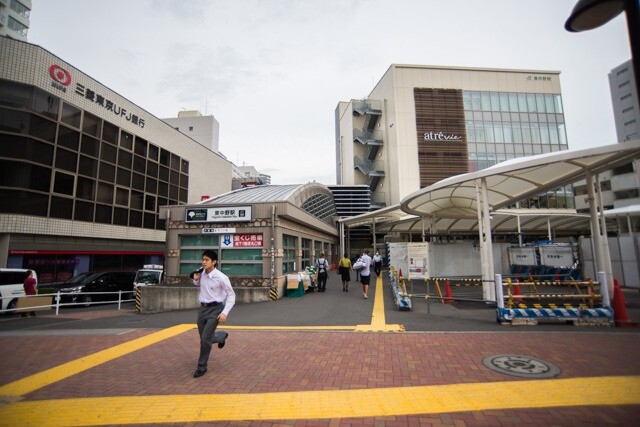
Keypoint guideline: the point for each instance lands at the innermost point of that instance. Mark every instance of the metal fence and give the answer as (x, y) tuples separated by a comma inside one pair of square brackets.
[(122, 297)]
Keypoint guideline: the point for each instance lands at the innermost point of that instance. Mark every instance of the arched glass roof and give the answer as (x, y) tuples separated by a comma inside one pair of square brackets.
[(314, 198)]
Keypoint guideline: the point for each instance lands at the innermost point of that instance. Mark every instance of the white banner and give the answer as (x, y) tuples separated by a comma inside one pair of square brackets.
[(556, 256), (418, 254), (522, 256)]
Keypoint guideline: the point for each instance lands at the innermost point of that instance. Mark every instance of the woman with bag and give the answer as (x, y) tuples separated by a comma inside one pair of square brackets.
[(344, 268)]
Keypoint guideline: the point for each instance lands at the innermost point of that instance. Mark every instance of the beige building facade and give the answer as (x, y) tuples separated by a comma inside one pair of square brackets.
[(424, 123)]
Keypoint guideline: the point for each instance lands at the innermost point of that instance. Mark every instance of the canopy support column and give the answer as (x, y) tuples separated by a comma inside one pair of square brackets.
[(488, 290), (519, 231), (342, 247), (606, 254), (595, 226)]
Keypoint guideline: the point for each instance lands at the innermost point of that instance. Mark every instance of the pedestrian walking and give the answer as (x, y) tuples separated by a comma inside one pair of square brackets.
[(377, 263), (216, 299), (344, 268), (30, 286), (323, 266), (365, 273)]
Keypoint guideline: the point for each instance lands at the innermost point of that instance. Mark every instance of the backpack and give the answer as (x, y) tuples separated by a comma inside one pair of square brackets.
[(322, 266)]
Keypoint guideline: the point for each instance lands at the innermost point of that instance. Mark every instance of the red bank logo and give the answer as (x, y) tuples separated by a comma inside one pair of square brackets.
[(61, 77)]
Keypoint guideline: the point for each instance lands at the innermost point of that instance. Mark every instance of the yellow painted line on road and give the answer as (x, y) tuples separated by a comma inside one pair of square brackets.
[(323, 404), (44, 378), (378, 320)]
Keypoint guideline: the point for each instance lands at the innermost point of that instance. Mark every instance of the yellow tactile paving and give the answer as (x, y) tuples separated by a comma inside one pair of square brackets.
[(326, 404), (378, 320), (44, 378)]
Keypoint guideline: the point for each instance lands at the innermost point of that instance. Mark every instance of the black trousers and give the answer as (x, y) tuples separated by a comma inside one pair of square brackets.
[(322, 280), (207, 325)]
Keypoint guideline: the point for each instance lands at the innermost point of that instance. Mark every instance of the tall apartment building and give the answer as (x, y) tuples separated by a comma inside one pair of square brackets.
[(421, 124), (620, 187), (14, 18)]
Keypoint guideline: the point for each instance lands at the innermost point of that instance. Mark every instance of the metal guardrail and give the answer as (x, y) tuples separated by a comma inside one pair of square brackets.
[(57, 298)]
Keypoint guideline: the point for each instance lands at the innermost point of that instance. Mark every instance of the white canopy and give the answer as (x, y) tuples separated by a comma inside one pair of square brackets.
[(515, 180)]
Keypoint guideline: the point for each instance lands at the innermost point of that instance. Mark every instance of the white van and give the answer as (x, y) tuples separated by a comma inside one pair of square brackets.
[(150, 274), (12, 286)]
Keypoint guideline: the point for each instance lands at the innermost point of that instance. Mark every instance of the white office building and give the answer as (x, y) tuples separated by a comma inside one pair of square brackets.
[(620, 187), (14, 18), (204, 129), (421, 124)]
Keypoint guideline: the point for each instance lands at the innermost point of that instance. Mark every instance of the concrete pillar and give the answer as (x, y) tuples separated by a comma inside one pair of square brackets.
[(4, 249)]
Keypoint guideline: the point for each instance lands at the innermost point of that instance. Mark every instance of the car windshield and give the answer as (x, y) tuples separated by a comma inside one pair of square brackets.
[(147, 277), (78, 278)]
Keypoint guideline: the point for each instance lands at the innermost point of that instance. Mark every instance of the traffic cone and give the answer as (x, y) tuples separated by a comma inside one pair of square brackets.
[(447, 293), (619, 310), (516, 291)]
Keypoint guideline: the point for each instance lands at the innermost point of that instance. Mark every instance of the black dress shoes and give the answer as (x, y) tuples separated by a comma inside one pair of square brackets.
[(224, 341), (199, 373)]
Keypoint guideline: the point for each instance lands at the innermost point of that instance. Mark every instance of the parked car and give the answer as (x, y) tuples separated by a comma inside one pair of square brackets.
[(11, 286), (81, 288), (150, 274)]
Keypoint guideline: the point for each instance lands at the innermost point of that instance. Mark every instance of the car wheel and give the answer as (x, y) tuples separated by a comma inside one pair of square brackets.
[(11, 307), (86, 300)]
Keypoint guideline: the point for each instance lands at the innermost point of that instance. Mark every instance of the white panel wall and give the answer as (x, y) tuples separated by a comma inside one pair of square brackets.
[(625, 259)]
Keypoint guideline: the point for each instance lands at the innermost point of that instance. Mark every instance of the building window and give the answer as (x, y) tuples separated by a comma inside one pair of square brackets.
[(624, 169), (289, 253), (18, 27), (317, 248), (20, 9), (306, 253), (191, 249), (64, 183), (241, 262), (626, 194), (190, 128)]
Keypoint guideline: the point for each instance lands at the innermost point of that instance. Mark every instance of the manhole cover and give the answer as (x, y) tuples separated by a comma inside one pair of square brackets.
[(521, 366)]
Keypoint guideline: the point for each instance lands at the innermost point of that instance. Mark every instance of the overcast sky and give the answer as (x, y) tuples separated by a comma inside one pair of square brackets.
[(272, 71)]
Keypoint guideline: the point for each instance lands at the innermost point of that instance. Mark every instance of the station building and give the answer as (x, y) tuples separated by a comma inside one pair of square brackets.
[(421, 124), (84, 171), (261, 234)]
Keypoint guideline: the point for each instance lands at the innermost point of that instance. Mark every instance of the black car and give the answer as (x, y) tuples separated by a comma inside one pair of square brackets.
[(88, 287)]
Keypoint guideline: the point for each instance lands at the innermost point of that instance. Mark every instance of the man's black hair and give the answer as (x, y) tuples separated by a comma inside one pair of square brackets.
[(210, 254)]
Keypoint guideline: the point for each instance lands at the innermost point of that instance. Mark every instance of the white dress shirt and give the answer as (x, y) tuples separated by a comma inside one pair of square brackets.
[(216, 287), (366, 271)]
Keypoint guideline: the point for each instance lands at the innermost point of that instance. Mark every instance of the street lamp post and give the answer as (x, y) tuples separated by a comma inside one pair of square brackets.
[(590, 14), (587, 15)]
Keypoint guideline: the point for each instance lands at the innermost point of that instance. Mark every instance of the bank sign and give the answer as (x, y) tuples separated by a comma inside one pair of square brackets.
[(219, 214), (61, 80)]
